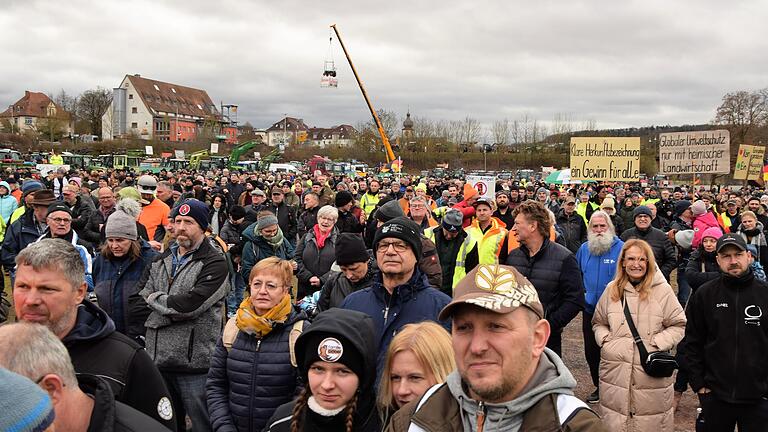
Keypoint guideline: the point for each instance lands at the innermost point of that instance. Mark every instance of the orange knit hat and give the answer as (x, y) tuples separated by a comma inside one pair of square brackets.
[(469, 191)]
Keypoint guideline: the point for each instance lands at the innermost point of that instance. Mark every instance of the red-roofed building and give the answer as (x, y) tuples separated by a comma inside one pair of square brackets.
[(152, 109), (37, 112)]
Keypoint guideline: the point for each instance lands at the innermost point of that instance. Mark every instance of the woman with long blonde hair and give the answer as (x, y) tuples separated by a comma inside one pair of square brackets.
[(418, 357), (630, 399)]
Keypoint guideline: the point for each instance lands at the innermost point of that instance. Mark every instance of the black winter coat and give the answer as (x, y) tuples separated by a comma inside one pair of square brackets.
[(726, 339), (555, 273), (97, 349), (663, 250), (313, 261), (286, 219), (109, 415), (573, 228), (338, 287), (307, 221), (94, 227), (247, 383), (698, 275)]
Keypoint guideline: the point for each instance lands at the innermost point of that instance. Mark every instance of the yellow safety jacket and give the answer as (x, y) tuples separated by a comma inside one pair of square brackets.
[(368, 203), (488, 243), (461, 258)]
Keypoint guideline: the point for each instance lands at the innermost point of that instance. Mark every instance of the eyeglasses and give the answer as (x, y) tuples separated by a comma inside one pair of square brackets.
[(399, 247), (60, 220), (257, 286)]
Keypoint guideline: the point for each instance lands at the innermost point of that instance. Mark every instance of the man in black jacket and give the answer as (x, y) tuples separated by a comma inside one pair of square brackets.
[(571, 224), (286, 215), (551, 268), (663, 251), (357, 268), (82, 402), (49, 290), (725, 349)]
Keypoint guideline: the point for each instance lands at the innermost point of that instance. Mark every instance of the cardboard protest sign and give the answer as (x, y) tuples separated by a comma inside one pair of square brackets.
[(702, 152), (742, 162), (605, 158)]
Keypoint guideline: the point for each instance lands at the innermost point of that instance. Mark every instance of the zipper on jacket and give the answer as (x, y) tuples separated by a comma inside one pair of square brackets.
[(480, 416), (258, 345), (736, 341), (190, 345)]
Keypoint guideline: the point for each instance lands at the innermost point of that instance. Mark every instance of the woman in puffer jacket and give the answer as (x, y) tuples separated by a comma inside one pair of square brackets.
[(630, 399), (253, 368)]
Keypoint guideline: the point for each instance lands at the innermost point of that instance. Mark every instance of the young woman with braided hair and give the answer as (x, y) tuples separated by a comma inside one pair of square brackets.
[(336, 357)]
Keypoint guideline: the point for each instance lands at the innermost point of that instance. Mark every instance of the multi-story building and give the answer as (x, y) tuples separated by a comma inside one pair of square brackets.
[(342, 135), (152, 109), (37, 113), (287, 131)]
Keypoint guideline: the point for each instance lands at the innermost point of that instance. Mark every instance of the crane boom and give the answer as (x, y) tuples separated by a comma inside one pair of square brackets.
[(390, 154)]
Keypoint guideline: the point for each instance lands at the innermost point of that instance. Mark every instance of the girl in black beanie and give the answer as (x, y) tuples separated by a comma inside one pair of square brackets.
[(336, 357)]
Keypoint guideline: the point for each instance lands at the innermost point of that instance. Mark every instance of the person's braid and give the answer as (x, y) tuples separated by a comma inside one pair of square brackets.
[(351, 408), (298, 409)]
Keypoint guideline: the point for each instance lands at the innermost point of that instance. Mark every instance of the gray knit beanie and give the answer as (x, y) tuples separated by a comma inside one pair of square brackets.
[(121, 225), (266, 221)]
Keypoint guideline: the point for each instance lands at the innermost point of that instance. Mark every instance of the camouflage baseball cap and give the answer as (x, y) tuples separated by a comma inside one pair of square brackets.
[(498, 288)]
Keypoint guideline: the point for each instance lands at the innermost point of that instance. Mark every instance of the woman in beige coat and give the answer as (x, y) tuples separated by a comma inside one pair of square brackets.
[(631, 400)]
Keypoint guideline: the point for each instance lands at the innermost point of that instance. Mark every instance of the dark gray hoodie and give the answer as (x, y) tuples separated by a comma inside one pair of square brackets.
[(551, 376)]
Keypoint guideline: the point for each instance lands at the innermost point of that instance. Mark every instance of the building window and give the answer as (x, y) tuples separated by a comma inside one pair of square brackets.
[(130, 96), (27, 120), (134, 110), (134, 125)]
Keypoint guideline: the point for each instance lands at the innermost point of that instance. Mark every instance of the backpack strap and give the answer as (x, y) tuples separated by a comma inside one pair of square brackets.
[(296, 330), (230, 334)]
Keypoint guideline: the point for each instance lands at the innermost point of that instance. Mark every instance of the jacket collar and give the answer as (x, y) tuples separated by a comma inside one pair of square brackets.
[(404, 292), (103, 417)]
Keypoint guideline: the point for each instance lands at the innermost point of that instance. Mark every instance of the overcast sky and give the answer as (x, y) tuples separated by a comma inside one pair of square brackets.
[(621, 63)]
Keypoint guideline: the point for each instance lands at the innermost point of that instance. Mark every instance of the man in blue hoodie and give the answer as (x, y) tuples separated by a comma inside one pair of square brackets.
[(597, 259)]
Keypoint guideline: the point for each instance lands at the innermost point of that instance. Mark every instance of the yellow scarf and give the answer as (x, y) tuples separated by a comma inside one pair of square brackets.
[(260, 325)]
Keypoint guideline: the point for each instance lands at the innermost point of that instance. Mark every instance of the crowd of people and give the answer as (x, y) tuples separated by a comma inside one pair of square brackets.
[(231, 301)]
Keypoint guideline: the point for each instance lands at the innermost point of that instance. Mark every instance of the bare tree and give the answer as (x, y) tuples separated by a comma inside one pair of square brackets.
[(743, 112), (562, 123), (589, 125), (470, 131), (500, 132), (91, 107), (516, 133)]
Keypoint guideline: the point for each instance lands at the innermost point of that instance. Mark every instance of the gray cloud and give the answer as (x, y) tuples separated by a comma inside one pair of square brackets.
[(630, 63)]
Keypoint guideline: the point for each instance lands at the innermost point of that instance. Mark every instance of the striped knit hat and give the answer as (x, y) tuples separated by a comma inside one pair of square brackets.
[(24, 407)]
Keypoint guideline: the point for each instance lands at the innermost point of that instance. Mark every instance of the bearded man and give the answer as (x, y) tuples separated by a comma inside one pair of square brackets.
[(597, 259), (504, 209)]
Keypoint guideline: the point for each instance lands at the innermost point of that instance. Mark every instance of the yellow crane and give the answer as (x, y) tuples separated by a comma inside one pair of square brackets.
[(387, 147)]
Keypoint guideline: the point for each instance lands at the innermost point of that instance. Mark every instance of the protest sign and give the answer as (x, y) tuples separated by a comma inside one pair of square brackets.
[(485, 185), (755, 167), (605, 158), (702, 152)]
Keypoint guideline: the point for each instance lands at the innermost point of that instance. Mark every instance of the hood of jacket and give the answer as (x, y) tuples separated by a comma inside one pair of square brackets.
[(358, 329), (551, 376), (91, 323)]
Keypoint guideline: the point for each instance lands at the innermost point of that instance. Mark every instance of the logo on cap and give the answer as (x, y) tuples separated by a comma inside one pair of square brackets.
[(504, 288), (330, 350), (184, 209)]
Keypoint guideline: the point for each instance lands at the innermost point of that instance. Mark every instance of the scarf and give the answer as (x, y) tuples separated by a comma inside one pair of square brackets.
[(277, 240), (260, 325), (320, 236)]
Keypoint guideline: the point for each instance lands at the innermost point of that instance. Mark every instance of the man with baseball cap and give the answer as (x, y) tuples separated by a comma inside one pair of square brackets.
[(154, 216), (180, 308), (455, 249), (400, 293), (725, 349), (28, 228), (505, 378)]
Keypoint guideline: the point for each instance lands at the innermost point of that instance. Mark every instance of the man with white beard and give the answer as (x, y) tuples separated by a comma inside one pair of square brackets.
[(597, 259)]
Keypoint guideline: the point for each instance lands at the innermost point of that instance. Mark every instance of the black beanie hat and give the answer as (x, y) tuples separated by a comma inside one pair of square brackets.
[(343, 198), (641, 210), (402, 228), (389, 210), (350, 249), (332, 347), (237, 212), (681, 206)]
